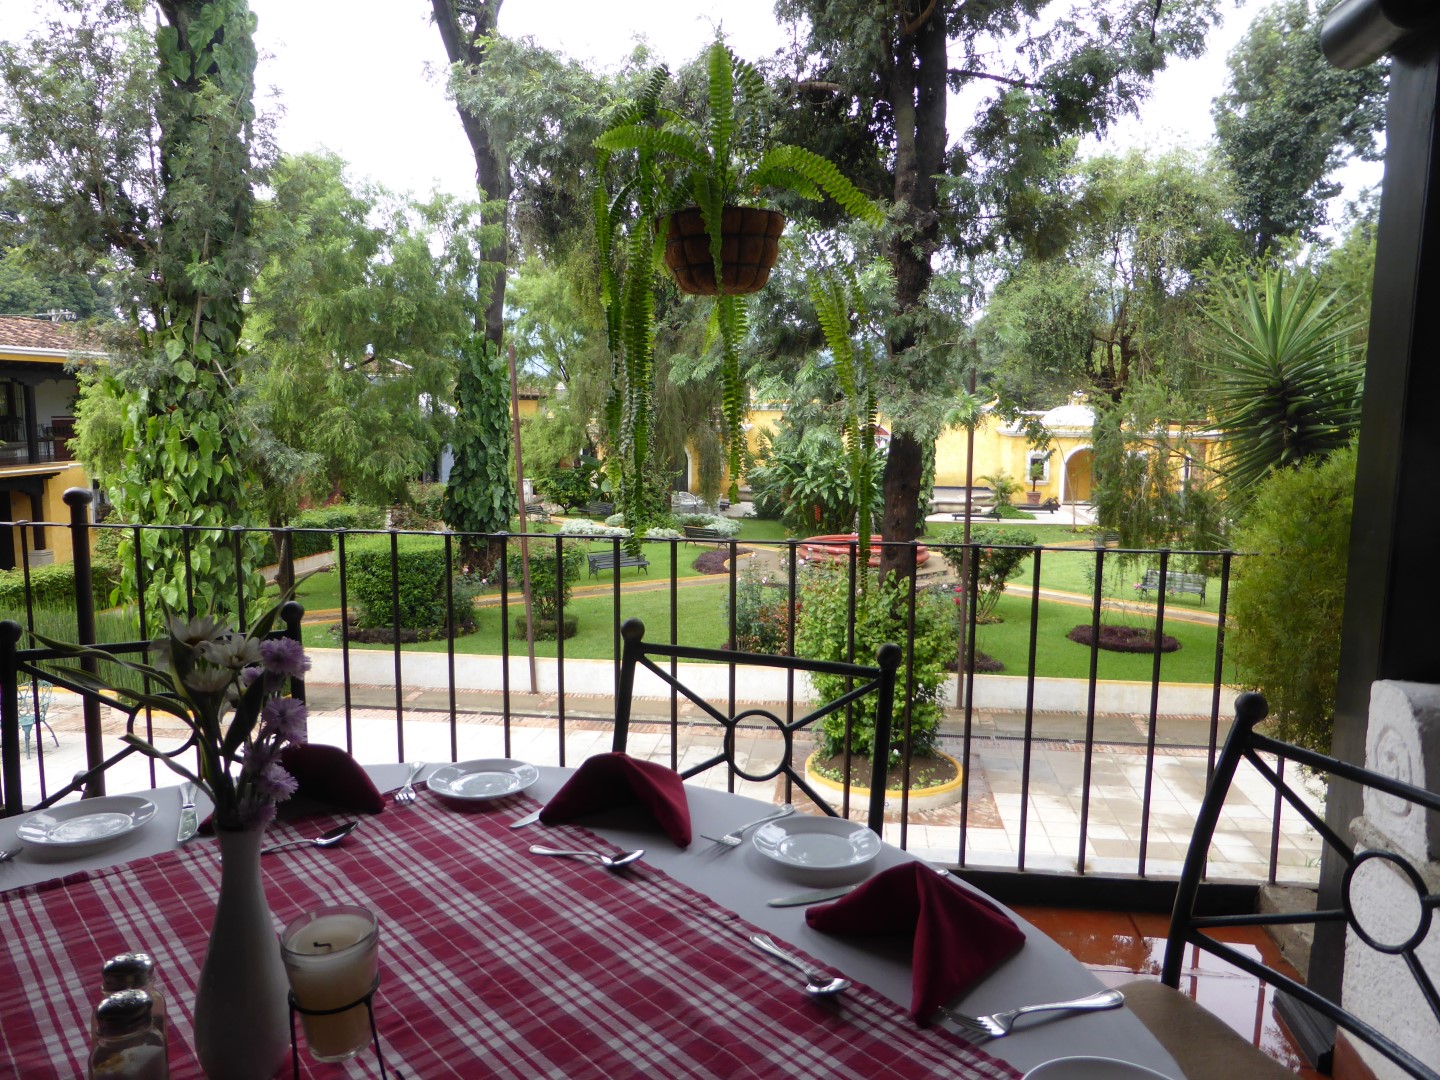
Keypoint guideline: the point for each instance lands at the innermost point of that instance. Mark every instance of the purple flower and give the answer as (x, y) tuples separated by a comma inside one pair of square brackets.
[(284, 656), (286, 717), (274, 783)]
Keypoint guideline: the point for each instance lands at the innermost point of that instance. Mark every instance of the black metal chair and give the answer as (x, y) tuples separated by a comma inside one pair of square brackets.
[(878, 680), (1206, 1054), (34, 706)]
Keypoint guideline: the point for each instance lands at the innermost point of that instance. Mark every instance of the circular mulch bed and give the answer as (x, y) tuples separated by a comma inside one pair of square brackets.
[(716, 560), (1134, 639), (984, 664), (383, 635), (924, 771)]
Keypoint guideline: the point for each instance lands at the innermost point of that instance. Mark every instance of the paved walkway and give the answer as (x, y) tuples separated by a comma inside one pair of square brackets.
[(996, 787)]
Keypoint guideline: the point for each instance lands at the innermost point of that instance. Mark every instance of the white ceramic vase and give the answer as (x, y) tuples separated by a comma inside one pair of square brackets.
[(242, 1015)]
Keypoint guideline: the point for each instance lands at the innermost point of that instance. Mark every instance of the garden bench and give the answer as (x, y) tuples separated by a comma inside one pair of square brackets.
[(702, 532), (536, 512), (608, 560), (993, 512), (1176, 583), (599, 509)]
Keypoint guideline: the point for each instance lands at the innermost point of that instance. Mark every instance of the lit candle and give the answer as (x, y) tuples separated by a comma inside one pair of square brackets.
[(331, 958)]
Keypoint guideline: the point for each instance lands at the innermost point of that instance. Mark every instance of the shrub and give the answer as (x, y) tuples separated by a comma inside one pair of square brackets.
[(427, 502), (570, 487), (1287, 598), (420, 568), (543, 582), (331, 518), (616, 521), (54, 586), (591, 528), (762, 616), (725, 526), (881, 615), (1005, 486), (997, 564)]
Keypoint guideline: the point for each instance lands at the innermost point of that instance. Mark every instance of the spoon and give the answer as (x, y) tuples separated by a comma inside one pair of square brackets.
[(329, 838), (610, 862), (817, 983)]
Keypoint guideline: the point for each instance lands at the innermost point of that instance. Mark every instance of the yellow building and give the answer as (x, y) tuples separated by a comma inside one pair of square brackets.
[(1065, 473), (37, 419)]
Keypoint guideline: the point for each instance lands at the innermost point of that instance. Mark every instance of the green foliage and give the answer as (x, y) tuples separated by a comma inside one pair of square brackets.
[(1288, 376), (480, 496), (571, 488), (1287, 599), (806, 480), (997, 565), (54, 587), (881, 614), (1152, 488), (674, 161), (547, 575), (1288, 119), (762, 615), (419, 571), (331, 518), (1005, 486)]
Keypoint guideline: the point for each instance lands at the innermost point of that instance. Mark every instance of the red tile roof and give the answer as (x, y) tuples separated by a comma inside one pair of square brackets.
[(20, 332)]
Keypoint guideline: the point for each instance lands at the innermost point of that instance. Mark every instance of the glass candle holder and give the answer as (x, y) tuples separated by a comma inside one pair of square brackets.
[(331, 957)]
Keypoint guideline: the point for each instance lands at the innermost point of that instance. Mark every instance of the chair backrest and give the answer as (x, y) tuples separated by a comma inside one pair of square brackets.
[(1364, 860), (28, 695), (877, 680)]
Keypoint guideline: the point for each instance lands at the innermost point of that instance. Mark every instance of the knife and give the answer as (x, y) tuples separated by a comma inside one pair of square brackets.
[(811, 897), (528, 819), (189, 821)]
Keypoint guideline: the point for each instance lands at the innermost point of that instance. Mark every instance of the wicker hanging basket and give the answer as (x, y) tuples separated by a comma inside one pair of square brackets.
[(749, 246)]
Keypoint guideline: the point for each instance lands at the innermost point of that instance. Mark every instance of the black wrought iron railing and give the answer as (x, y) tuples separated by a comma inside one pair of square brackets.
[(1075, 759)]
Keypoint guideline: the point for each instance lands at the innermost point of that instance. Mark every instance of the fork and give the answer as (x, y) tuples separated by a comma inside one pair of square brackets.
[(735, 836), (1000, 1024), (7, 855), (406, 795)]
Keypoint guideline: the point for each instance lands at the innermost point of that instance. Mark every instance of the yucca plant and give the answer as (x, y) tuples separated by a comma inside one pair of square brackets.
[(673, 162), (1288, 378)]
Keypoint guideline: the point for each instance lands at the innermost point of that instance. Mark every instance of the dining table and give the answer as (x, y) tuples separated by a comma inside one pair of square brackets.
[(499, 962)]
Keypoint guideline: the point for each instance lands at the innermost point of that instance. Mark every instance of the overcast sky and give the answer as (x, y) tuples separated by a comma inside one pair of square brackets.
[(365, 77)]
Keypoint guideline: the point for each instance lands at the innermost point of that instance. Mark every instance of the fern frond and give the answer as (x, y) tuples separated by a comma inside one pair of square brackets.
[(653, 140), (824, 175), (719, 62), (788, 179), (731, 317)]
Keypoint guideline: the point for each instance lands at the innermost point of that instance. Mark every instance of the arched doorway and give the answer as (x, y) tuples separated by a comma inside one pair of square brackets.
[(1079, 476)]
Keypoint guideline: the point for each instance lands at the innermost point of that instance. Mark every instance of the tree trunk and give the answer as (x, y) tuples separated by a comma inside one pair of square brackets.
[(917, 96), (464, 28)]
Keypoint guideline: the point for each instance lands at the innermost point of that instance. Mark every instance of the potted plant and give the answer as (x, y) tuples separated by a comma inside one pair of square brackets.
[(684, 183)]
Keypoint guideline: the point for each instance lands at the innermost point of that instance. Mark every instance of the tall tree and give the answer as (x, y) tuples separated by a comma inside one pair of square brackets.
[(138, 153), (1287, 120), (1117, 302), (882, 75)]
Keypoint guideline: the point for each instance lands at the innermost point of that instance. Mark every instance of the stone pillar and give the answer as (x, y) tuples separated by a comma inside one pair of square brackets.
[(1403, 742)]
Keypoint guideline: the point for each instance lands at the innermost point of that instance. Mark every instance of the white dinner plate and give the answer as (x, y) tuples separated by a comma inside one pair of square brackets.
[(90, 821), (1091, 1068), (483, 778), (817, 843)]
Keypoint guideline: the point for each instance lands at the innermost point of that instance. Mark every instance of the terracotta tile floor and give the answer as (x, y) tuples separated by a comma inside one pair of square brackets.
[(1118, 946)]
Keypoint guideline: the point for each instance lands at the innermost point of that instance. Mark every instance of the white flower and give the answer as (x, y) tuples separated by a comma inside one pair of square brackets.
[(233, 652), (207, 679)]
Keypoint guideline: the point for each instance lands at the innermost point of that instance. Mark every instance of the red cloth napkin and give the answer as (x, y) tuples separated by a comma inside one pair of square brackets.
[(326, 776), (606, 781), (960, 936)]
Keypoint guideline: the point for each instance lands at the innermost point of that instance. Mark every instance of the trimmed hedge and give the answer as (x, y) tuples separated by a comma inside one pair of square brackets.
[(330, 518), (420, 570), (54, 586)]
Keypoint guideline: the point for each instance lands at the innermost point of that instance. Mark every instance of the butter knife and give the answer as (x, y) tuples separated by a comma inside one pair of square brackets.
[(528, 819), (816, 897), (189, 820)]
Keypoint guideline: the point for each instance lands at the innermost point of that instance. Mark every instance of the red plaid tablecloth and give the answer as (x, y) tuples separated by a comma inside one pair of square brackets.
[(494, 963)]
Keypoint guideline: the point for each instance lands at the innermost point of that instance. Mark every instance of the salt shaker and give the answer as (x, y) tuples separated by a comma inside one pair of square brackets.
[(136, 971), (126, 1045)]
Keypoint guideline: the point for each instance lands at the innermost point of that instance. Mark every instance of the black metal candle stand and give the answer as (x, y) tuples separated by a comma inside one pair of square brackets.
[(368, 1000)]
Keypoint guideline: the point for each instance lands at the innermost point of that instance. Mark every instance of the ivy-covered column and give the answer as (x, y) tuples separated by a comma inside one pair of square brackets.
[(186, 452)]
